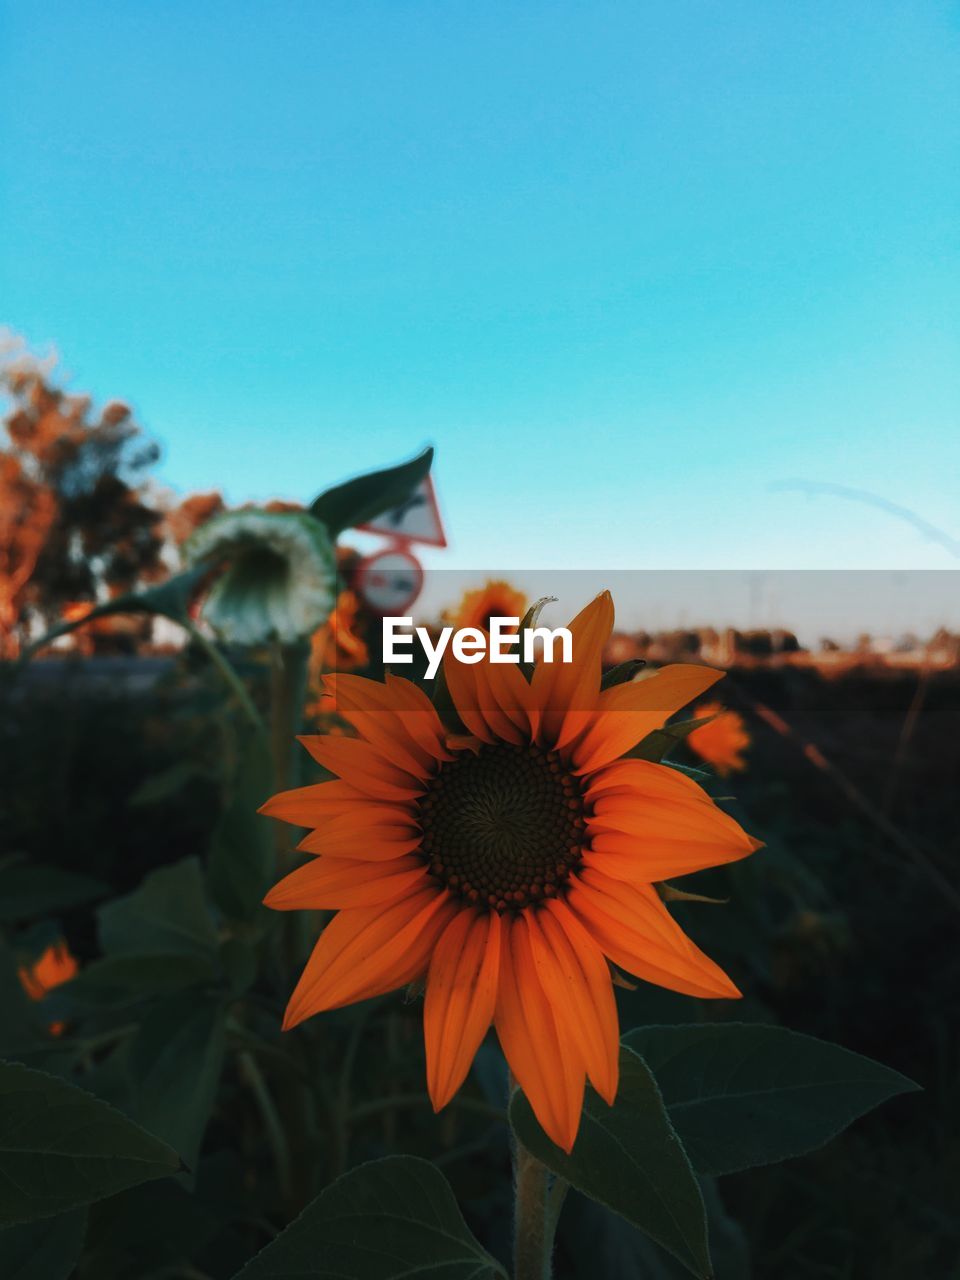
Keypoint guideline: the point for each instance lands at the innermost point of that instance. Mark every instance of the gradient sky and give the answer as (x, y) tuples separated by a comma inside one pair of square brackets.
[(625, 264)]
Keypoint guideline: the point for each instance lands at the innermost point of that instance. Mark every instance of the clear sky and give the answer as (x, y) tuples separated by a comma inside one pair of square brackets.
[(626, 265)]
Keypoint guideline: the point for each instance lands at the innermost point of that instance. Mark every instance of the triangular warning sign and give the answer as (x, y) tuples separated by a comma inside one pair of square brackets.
[(415, 520)]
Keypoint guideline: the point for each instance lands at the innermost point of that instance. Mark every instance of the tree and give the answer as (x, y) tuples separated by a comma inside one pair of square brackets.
[(77, 519)]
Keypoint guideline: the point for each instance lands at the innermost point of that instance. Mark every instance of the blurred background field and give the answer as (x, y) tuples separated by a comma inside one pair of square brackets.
[(113, 767), (117, 751)]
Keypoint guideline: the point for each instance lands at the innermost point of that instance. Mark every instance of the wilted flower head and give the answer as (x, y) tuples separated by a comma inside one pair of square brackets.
[(279, 577)]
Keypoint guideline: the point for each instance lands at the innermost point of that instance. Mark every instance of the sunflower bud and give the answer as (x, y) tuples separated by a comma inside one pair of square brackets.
[(279, 574)]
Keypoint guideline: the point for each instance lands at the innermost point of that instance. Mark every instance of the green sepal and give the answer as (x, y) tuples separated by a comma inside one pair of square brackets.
[(622, 673), (527, 623), (655, 746)]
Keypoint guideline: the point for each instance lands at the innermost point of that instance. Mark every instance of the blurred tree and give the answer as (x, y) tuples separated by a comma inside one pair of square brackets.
[(78, 521)]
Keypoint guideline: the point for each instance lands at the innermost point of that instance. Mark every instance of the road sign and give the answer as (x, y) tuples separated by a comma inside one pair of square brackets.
[(415, 520), (389, 581)]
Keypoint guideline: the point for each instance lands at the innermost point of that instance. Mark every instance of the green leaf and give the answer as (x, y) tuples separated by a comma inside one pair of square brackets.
[(22, 1027), (622, 673), (361, 499), (45, 1250), (169, 599), (661, 742), (166, 915), (600, 1243), (741, 1095), (629, 1158), (61, 1147), (117, 982), (175, 1063), (385, 1220), (238, 960), (166, 783), (28, 890), (241, 854)]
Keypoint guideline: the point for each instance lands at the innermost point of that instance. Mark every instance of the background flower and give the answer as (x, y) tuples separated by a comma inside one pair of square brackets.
[(721, 742)]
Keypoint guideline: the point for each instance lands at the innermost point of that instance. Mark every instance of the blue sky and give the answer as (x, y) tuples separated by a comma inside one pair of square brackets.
[(625, 264)]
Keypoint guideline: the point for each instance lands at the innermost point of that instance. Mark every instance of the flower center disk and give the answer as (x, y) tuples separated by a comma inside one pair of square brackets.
[(503, 827)]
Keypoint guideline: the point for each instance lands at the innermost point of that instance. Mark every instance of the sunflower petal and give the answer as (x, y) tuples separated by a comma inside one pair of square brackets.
[(367, 843), (363, 767), (377, 712), (576, 978), (567, 692), (546, 1063), (462, 683), (460, 1000), (331, 883), (419, 714), (645, 780), (366, 951), (645, 860), (492, 699), (309, 806), (628, 712), (633, 928)]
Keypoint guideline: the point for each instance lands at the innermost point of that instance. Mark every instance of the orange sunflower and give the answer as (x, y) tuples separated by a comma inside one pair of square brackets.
[(722, 742), (495, 599), (54, 967), (507, 866)]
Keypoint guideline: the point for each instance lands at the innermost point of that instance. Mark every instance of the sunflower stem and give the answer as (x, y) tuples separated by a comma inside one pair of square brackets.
[(271, 1120), (227, 672), (534, 1223), (288, 690)]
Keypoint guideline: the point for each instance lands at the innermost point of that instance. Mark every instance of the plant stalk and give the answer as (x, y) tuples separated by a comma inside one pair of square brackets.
[(287, 693), (229, 675), (533, 1228)]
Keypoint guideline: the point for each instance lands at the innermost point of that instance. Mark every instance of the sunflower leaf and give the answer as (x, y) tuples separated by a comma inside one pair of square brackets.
[(628, 1158), (175, 1062), (741, 1095), (23, 1030), (28, 890), (391, 1218), (45, 1250), (241, 854), (61, 1147), (166, 915), (356, 501), (116, 983)]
